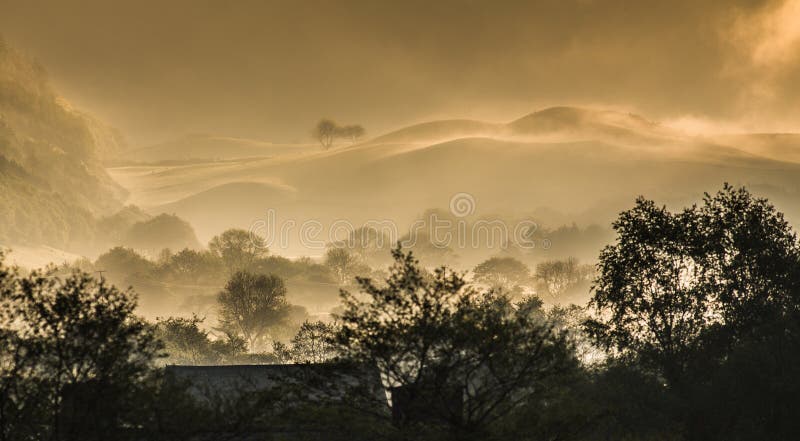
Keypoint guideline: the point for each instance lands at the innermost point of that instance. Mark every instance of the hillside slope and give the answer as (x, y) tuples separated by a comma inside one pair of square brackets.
[(52, 183), (777, 146), (585, 165), (434, 131), (207, 147)]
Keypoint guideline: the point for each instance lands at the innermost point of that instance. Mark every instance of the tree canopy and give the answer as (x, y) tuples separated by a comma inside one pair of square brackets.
[(74, 356), (705, 302), (505, 273), (238, 248), (251, 306), (556, 277), (469, 357)]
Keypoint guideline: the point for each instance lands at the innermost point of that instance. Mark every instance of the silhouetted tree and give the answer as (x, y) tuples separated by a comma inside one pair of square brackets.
[(311, 344), (251, 305), (352, 133), (186, 343), (238, 248), (119, 262), (647, 289), (504, 273), (706, 300), (162, 231), (325, 132), (74, 357), (749, 255), (192, 266), (370, 244), (556, 277), (456, 358), (672, 280), (344, 264)]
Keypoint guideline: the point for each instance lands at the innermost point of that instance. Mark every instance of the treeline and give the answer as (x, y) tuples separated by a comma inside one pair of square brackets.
[(691, 334), (231, 251), (194, 274), (475, 236), (175, 282)]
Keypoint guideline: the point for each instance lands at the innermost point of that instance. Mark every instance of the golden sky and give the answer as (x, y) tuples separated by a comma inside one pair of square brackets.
[(270, 69)]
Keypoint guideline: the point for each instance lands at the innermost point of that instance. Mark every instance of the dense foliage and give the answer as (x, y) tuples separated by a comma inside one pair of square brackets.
[(706, 302), (691, 334), (74, 357), (458, 359)]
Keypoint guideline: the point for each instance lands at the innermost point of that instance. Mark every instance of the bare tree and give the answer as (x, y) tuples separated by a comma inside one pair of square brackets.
[(326, 132), (555, 277)]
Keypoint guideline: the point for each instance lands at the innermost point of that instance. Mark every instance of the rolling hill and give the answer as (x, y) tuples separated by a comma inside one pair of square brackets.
[(237, 200), (777, 146), (434, 131), (57, 200), (581, 164), (197, 147)]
